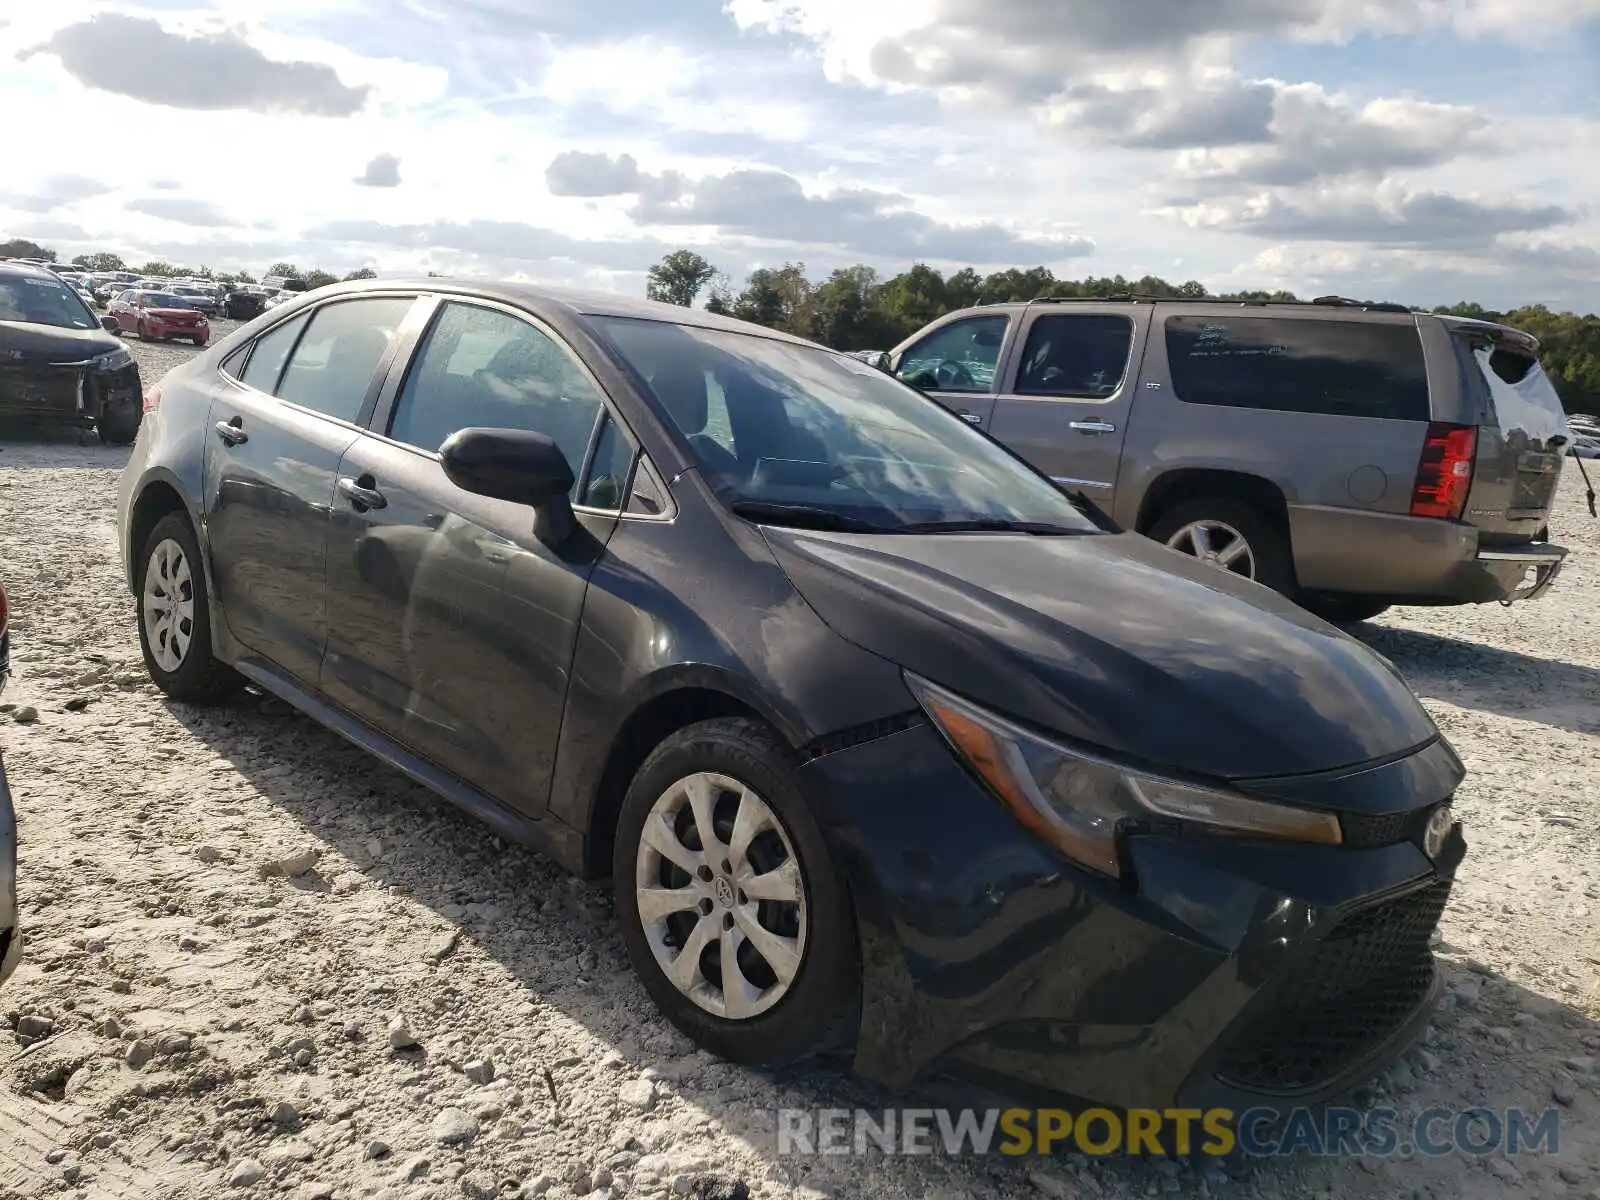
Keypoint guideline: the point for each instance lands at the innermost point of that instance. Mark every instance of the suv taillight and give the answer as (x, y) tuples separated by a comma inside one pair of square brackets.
[(152, 399), (1444, 472)]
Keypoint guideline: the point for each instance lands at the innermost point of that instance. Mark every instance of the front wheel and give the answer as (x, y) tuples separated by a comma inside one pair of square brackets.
[(175, 619), (1231, 535), (735, 912), (118, 424)]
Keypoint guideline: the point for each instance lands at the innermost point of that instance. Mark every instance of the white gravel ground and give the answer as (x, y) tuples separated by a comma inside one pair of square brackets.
[(191, 1022)]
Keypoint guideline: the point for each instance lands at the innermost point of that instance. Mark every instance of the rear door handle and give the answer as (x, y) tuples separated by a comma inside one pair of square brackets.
[(362, 495), (232, 432), (1093, 426), (971, 418)]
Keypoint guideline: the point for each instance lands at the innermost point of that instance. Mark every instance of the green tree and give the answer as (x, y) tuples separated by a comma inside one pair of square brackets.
[(286, 269), (159, 268), (679, 277), (775, 298), (317, 277), (100, 262), (362, 273), (23, 248)]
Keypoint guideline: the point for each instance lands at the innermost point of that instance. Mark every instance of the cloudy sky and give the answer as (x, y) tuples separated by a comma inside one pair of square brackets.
[(1425, 150)]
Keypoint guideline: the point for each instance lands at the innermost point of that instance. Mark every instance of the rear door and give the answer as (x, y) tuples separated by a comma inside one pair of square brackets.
[(276, 434), (958, 363), (1518, 414), (1067, 396)]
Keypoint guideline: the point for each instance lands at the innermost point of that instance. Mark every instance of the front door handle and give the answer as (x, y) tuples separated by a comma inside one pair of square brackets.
[(1093, 426), (971, 418), (233, 432), (361, 493)]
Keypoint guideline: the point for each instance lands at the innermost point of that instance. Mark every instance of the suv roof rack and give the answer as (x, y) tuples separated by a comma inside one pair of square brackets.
[(1136, 298)]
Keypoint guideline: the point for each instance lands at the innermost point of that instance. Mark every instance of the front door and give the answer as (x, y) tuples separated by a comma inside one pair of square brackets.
[(452, 625), (273, 445), (1066, 398), (957, 364)]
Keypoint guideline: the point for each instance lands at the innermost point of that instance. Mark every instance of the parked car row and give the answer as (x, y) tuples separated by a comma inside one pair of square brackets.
[(879, 732)]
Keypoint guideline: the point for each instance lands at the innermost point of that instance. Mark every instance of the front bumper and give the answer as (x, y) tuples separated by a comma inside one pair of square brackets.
[(66, 393), (1233, 972), (160, 329)]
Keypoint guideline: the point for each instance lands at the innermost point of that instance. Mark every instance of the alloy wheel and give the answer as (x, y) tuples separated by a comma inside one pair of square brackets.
[(721, 896), (168, 604), (1217, 544)]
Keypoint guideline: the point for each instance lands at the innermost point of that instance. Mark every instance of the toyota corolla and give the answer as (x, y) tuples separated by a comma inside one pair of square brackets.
[(885, 741)]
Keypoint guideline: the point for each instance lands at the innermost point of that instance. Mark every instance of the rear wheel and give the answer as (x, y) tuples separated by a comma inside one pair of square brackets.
[(735, 912), (175, 618), (1345, 610), (1232, 536), (144, 333)]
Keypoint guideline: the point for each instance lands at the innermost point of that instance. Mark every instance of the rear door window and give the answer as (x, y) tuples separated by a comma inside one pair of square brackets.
[(270, 353), (333, 364), (1335, 368), (1080, 356)]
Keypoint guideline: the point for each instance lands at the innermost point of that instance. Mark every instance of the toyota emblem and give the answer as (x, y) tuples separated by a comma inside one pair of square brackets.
[(1438, 830)]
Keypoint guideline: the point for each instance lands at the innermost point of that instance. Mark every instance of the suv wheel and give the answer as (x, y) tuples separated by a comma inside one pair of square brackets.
[(175, 618), (1232, 536), (735, 913)]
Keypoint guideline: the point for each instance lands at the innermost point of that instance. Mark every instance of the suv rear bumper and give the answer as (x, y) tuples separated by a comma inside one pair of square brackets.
[(1414, 560)]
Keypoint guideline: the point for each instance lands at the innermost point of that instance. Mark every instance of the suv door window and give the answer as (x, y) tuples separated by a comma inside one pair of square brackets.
[(1337, 368), (270, 353), (331, 368), (1078, 355), (486, 368), (958, 357)]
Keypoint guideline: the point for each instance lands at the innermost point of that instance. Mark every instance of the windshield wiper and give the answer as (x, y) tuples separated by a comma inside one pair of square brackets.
[(988, 525), (802, 516)]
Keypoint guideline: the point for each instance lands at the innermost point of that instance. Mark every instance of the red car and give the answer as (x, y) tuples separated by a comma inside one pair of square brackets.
[(160, 315)]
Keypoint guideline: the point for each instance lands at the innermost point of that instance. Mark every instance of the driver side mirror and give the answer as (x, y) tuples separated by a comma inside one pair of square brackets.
[(516, 465), (109, 324)]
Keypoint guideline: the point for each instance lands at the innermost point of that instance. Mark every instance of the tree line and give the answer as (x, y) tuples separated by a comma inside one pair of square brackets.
[(855, 308)]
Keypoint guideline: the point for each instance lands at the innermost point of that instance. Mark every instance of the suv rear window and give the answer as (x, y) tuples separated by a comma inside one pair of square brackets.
[(1338, 368)]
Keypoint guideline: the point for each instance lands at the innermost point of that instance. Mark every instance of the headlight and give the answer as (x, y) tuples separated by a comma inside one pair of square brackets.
[(1077, 801), (114, 361)]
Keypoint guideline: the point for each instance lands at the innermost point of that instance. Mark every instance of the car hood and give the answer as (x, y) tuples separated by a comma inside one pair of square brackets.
[(23, 345), (1114, 641)]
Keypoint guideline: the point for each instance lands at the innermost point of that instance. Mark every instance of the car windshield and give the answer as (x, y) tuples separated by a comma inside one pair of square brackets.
[(161, 300), (796, 434), (36, 301)]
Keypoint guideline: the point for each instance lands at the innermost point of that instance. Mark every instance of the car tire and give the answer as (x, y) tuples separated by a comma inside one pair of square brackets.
[(187, 670), (144, 334), (1265, 545), (118, 425), (1344, 610), (817, 1009), (199, 343)]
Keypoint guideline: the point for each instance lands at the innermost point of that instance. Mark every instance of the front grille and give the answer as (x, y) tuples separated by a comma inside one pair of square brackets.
[(1341, 999), (1361, 830)]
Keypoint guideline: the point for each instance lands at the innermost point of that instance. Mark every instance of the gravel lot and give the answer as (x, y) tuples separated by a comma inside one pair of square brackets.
[(195, 1019)]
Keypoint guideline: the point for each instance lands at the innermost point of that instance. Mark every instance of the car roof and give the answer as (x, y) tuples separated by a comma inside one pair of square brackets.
[(570, 302), (27, 271)]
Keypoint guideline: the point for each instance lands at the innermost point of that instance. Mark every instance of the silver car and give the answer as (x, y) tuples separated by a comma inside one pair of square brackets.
[(1351, 456)]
